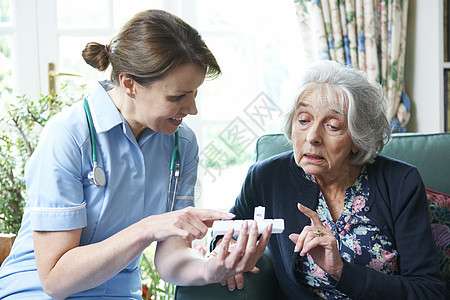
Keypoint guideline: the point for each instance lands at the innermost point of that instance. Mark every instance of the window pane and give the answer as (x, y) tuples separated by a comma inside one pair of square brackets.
[(5, 12), (71, 61), (82, 13), (124, 10), (5, 69), (225, 95), (218, 15), (258, 47)]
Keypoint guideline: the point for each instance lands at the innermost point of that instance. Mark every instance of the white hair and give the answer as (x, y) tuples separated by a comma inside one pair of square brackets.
[(348, 91)]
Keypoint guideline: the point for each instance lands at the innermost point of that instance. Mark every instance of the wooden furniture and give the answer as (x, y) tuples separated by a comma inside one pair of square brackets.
[(6, 242)]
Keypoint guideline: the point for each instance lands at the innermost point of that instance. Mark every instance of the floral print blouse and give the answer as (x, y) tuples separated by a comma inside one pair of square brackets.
[(359, 241)]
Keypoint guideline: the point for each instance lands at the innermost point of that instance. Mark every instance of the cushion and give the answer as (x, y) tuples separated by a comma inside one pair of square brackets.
[(439, 205)]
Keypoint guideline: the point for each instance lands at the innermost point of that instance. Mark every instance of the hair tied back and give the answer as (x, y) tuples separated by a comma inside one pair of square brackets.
[(96, 55)]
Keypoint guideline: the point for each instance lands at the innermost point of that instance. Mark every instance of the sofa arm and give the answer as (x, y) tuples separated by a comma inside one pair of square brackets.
[(263, 285)]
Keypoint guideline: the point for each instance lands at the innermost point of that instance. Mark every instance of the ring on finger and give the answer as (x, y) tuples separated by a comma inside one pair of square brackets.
[(318, 233)]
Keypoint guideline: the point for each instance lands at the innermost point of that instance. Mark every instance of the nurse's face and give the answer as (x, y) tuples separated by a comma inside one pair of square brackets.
[(163, 105)]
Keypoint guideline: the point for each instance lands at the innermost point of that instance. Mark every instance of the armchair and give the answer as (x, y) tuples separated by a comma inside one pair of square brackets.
[(430, 153)]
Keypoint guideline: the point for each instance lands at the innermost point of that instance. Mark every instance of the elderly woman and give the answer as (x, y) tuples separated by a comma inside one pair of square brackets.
[(356, 222)]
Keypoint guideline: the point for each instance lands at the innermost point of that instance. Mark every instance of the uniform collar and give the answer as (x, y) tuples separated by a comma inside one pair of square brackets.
[(104, 113)]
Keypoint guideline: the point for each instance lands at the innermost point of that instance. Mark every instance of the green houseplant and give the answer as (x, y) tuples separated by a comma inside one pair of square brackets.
[(20, 125)]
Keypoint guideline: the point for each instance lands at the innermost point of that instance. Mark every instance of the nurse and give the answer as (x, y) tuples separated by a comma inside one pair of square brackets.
[(80, 240)]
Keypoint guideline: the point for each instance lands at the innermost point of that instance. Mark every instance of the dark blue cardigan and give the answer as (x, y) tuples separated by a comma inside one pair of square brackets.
[(397, 204)]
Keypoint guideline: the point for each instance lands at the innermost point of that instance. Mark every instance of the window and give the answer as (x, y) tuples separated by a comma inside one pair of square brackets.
[(6, 30), (83, 21), (257, 45)]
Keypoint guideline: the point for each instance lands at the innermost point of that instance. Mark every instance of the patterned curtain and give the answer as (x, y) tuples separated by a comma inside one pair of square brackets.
[(367, 34)]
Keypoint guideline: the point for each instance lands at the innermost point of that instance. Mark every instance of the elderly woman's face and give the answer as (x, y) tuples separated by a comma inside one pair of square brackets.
[(321, 140)]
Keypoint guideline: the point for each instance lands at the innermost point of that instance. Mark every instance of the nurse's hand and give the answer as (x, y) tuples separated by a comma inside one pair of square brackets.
[(230, 260), (189, 223), (319, 242)]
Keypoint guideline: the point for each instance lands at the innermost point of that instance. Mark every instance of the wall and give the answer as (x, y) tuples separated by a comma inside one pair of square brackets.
[(423, 67)]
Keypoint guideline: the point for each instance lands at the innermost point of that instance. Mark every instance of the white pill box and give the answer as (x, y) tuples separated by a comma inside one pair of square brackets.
[(221, 227)]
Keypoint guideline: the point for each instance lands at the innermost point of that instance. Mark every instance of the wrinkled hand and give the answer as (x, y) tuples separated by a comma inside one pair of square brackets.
[(230, 260), (236, 281), (323, 249), (189, 223)]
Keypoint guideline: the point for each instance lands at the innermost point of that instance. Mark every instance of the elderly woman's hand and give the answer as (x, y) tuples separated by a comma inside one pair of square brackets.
[(236, 281), (231, 259), (320, 243)]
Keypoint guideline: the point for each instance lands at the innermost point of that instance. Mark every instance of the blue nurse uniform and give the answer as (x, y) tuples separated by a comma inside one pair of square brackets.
[(61, 197)]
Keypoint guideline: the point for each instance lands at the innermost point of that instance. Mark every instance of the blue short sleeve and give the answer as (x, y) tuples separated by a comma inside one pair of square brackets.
[(53, 175)]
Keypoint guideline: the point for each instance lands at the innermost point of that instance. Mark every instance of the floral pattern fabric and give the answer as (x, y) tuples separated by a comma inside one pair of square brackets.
[(367, 34), (359, 240), (439, 208)]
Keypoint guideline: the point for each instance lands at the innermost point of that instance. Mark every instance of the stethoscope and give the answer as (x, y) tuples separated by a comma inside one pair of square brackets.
[(97, 176), (174, 173)]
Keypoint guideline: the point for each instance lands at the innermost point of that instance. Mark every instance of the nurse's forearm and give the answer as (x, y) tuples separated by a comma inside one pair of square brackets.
[(179, 264), (66, 268)]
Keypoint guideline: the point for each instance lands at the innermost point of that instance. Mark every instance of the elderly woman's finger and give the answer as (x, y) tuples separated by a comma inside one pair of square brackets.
[(309, 243), (231, 283), (239, 279), (297, 240), (294, 237), (325, 240), (224, 245), (255, 270), (241, 244), (264, 240), (306, 236), (252, 239), (315, 220), (254, 247), (300, 239)]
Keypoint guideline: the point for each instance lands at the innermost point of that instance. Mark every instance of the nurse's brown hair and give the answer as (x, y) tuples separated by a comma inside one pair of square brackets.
[(150, 44)]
